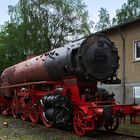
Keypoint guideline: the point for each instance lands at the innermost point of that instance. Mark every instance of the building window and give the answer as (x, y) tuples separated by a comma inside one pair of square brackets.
[(137, 50), (136, 92)]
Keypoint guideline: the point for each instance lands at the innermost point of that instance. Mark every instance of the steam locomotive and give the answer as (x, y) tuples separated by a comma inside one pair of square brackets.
[(60, 87)]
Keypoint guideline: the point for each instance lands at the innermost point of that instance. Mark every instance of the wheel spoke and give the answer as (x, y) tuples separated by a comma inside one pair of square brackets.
[(82, 125), (79, 123), (46, 122), (24, 112), (14, 109), (34, 113)]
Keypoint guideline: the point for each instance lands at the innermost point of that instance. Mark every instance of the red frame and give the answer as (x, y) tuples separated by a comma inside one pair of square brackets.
[(91, 113)]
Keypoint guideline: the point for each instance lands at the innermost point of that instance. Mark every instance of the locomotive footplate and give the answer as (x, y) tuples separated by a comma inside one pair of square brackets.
[(109, 116), (121, 111)]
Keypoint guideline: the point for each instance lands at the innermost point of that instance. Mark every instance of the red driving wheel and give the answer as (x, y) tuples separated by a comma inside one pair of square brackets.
[(34, 112), (14, 108), (46, 122), (79, 123), (24, 112)]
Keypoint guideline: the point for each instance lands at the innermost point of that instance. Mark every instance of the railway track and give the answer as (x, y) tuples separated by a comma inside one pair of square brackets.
[(16, 127), (128, 135), (117, 134), (99, 134)]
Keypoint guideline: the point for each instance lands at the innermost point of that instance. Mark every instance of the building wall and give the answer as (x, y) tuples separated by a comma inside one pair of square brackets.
[(115, 37), (131, 33), (118, 91)]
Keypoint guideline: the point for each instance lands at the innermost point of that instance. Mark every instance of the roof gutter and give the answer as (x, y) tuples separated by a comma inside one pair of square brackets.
[(123, 65)]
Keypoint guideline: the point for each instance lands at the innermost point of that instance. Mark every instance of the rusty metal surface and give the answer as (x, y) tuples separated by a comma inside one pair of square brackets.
[(32, 83), (94, 59), (27, 71)]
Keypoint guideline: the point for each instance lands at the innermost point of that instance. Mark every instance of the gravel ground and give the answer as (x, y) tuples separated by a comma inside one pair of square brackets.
[(24, 130)]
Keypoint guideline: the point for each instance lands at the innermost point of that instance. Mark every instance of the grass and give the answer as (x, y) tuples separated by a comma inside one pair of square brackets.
[(23, 130), (131, 129)]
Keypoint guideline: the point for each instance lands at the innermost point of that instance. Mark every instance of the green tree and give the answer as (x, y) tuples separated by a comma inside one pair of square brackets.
[(104, 19), (10, 50), (128, 12), (36, 26), (50, 23)]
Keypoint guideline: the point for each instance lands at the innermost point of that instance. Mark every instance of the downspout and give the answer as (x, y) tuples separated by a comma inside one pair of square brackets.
[(123, 65)]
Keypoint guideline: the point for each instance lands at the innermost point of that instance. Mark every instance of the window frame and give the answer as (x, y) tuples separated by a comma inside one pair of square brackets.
[(136, 92), (134, 50)]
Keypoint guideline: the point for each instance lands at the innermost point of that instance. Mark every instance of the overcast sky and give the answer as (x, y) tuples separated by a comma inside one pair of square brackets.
[(92, 6)]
